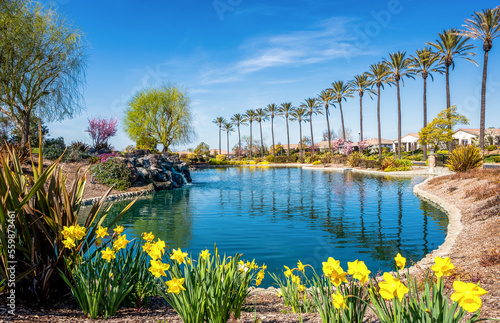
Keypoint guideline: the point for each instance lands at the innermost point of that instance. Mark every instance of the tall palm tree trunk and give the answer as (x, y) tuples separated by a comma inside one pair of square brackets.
[(250, 139), (483, 101), (329, 133), (300, 142), (261, 141), (239, 141), (378, 125), (399, 120), (342, 119), (228, 144), (312, 137), (272, 134), (287, 137), (220, 128), (448, 101), (425, 115), (361, 118)]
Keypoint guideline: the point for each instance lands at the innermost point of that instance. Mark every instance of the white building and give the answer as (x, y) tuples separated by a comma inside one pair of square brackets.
[(409, 142), (468, 136)]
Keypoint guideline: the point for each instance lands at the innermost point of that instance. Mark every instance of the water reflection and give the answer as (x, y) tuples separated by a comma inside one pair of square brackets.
[(278, 216)]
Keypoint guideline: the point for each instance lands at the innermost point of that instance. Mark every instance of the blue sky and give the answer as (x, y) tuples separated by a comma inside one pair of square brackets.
[(234, 55)]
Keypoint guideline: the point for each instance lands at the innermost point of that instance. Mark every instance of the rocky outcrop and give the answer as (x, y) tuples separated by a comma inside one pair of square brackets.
[(164, 171)]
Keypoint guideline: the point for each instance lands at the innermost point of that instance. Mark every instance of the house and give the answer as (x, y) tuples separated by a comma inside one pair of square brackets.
[(373, 143), (409, 142), (468, 136), (215, 152), (183, 153), (295, 147)]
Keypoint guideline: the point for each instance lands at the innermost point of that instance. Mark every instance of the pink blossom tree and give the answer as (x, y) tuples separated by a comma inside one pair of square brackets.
[(101, 129), (363, 144)]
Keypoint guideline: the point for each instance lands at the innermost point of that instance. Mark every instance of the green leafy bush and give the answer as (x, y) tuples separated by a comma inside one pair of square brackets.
[(286, 159), (54, 148), (496, 159), (112, 172), (370, 163), (220, 157), (355, 159), (491, 147), (270, 158), (339, 159), (465, 158), (389, 164), (79, 146)]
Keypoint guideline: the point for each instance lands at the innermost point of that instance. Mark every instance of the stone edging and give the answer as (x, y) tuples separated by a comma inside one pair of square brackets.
[(116, 197), (455, 225)]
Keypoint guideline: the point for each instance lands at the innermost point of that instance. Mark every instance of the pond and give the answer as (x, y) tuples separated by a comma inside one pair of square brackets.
[(281, 215)]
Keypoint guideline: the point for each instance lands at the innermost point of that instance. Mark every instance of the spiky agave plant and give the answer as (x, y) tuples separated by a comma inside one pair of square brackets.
[(465, 158), (35, 206)]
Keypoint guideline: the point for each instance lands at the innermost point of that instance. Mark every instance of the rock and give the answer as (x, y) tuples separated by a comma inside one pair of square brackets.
[(104, 151), (154, 162), (160, 186)]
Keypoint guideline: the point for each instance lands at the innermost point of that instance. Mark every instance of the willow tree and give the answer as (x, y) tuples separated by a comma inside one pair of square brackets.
[(42, 63), (160, 114)]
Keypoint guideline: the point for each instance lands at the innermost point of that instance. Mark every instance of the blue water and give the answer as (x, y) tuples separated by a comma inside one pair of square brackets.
[(280, 215)]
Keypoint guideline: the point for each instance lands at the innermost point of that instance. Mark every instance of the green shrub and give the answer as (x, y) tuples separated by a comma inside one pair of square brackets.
[(270, 158), (389, 164), (220, 157), (465, 158), (112, 172), (286, 159), (79, 146), (339, 159), (259, 160), (491, 147), (355, 159), (54, 148), (496, 159), (370, 163)]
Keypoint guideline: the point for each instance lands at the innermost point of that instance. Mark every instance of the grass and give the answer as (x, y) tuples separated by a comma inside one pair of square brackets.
[(490, 158), (35, 150)]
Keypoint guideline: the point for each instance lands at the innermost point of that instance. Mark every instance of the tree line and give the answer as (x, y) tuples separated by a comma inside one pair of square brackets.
[(437, 57)]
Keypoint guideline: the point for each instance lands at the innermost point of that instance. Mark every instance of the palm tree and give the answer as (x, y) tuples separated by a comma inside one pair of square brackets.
[(378, 75), (341, 91), (272, 109), (361, 84), (261, 115), (484, 26), (250, 117), (238, 120), (219, 121), (313, 107), (299, 114), (228, 126), (425, 62), (451, 45), (285, 109), (399, 66), (326, 97)]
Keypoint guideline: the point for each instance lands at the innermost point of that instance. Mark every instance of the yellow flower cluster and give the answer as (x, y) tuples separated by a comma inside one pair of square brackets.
[(339, 301), (158, 268), (391, 287), (71, 233), (154, 249), (332, 270), (467, 295), (178, 255), (358, 270), (442, 266), (260, 276), (175, 285)]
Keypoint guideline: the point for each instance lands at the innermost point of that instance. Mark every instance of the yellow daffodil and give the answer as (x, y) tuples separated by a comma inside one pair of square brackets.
[(264, 267), (332, 269), (300, 266), (392, 287), (288, 272), (261, 274), (120, 243), (295, 279), (279, 294), (147, 247), (154, 252), (258, 282), (467, 295), (400, 261), (148, 236), (69, 243), (443, 266), (98, 242), (358, 270), (67, 232), (205, 254), (339, 301), (178, 255), (108, 254), (175, 285), (158, 268), (301, 288), (119, 229), (79, 232), (101, 232)]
